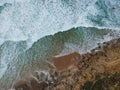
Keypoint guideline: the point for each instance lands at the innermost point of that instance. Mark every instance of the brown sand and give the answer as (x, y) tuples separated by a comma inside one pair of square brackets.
[(73, 71), (64, 62)]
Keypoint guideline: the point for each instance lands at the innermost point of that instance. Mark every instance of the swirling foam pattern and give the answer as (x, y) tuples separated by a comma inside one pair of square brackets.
[(28, 27)]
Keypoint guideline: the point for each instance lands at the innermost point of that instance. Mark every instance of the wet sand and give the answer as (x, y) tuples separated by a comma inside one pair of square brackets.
[(62, 63), (80, 72)]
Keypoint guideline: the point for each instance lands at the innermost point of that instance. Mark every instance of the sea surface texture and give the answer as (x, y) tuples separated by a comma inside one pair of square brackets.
[(34, 31)]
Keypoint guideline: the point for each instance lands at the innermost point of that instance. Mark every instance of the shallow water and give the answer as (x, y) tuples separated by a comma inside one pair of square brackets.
[(27, 61), (31, 32)]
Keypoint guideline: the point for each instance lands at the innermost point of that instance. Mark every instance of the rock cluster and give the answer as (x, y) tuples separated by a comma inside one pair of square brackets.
[(75, 71)]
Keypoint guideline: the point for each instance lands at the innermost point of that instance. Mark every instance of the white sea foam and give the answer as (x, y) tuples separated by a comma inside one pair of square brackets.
[(32, 19)]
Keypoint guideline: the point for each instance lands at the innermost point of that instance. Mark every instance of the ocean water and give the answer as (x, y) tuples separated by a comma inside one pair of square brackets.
[(34, 31)]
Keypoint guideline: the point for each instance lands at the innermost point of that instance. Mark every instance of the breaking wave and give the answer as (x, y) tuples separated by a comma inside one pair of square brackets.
[(31, 29)]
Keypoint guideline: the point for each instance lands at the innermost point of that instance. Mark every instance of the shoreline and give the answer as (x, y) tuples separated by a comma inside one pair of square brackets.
[(77, 70)]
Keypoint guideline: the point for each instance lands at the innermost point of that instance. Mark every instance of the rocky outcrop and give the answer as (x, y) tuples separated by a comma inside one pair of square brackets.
[(98, 68)]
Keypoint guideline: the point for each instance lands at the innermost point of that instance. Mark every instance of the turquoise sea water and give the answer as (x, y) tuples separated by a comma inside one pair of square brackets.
[(34, 31)]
